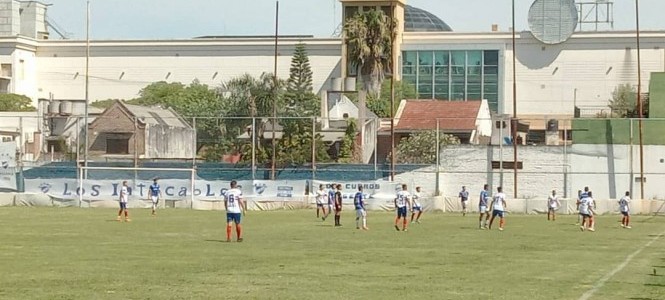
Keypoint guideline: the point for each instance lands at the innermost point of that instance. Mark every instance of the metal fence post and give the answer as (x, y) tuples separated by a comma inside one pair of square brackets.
[(437, 191), (313, 148)]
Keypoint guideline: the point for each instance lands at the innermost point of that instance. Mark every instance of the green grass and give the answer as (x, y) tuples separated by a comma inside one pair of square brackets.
[(49, 253)]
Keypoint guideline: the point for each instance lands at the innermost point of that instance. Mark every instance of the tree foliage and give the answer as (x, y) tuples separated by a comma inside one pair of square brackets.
[(15, 102), (623, 102), (348, 147), (369, 36), (381, 105), (420, 147)]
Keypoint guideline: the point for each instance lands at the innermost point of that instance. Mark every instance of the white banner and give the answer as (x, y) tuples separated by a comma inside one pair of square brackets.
[(172, 189), (8, 166), (374, 191)]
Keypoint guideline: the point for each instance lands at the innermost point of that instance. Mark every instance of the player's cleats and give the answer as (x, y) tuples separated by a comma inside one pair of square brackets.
[(405, 229), (228, 240), (357, 227), (128, 220), (500, 229), (365, 228), (418, 221), (628, 227), (624, 226), (396, 227), (239, 240), (323, 218), (119, 219), (591, 229), (582, 228)]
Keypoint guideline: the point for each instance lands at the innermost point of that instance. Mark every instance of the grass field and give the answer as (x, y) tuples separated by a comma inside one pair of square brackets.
[(48, 253)]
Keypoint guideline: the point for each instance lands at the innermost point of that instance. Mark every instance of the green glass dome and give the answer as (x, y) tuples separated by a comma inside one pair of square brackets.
[(418, 20)]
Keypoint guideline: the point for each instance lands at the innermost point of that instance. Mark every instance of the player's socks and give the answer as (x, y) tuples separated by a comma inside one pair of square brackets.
[(404, 224), (364, 223), (357, 223), (501, 223), (228, 233), (239, 232), (481, 224)]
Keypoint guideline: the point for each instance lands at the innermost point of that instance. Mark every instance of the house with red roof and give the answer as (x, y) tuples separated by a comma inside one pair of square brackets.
[(470, 121)]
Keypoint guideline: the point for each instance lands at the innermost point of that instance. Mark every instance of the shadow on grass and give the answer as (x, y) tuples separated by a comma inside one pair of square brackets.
[(655, 284), (639, 298), (324, 225), (216, 241)]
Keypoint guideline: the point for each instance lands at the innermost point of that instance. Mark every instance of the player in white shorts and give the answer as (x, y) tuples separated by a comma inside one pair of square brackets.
[(124, 196), (464, 198), (552, 205), (624, 208), (483, 207), (155, 195), (586, 212), (321, 201), (417, 208)]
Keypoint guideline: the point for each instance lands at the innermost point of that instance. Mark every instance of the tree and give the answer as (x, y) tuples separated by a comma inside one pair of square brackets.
[(368, 36), (420, 147), (623, 102), (299, 104), (347, 151), (381, 105), (14, 102)]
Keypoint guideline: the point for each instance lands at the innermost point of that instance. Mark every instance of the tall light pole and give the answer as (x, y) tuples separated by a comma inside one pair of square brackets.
[(275, 91), (514, 122), (392, 94), (87, 83), (639, 96)]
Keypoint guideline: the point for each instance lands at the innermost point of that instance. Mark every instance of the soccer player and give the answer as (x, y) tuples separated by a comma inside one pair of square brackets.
[(586, 212), (498, 207), (552, 205), (359, 203), (235, 208), (402, 203), (483, 207), (417, 208), (624, 207), (321, 198), (155, 195), (464, 197), (338, 205), (581, 195), (331, 198), (124, 195)]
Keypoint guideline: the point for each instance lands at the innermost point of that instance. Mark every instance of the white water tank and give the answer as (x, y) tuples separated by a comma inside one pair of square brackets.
[(66, 108), (336, 84), (54, 107), (350, 84)]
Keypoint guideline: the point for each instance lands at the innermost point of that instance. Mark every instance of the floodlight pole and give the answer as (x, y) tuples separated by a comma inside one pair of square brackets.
[(87, 85), (392, 94), (513, 125), (639, 96), (275, 90)]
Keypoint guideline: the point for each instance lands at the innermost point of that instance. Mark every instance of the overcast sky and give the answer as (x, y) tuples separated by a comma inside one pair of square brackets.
[(168, 19)]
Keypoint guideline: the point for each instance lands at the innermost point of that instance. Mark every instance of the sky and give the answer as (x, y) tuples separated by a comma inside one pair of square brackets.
[(182, 19)]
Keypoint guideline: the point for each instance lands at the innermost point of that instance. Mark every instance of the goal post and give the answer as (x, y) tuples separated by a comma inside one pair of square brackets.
[(104, 182)]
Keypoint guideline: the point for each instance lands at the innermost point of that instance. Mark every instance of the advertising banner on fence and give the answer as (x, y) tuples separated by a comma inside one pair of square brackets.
[(172, 189), (8, 166), (379, 189)]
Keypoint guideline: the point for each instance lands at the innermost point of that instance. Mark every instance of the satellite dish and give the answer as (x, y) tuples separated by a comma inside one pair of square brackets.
[(553, 21)]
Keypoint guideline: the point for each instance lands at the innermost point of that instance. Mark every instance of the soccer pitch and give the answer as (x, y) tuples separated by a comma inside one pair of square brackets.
[(50, 253)]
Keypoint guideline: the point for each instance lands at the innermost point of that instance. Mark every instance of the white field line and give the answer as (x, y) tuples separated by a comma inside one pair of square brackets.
[(599, 284)]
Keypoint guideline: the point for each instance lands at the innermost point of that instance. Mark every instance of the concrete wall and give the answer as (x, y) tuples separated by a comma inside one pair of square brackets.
[(10, 23), (607, 170)]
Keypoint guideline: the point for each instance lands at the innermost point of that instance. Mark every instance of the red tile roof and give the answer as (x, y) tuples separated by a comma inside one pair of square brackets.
[(452, 115)]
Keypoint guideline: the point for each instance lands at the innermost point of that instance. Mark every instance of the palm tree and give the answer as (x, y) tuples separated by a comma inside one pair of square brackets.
[(368, 36)]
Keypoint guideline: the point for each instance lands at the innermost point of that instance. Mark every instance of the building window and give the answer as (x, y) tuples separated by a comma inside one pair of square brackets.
[(458, 75), (115, 145)]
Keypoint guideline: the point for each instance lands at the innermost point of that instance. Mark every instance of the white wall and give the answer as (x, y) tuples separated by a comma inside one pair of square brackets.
[(609, 171), (211, 62)]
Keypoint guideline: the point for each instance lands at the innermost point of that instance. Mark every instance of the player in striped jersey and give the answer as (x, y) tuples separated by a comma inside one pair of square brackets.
[(402, 203), (498, 207), (624, 208), (235, 208), (483, 207), (585, 207), (331, 198), (359, 203), (581, 195)]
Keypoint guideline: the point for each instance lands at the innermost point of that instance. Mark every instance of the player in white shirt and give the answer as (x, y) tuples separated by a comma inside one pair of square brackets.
[(585, 207), (124, 196), (235, 208), (402, 203), (624, 208), (417, 210), (498, 207), (552, 205), (464, 198), (321, 201)]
